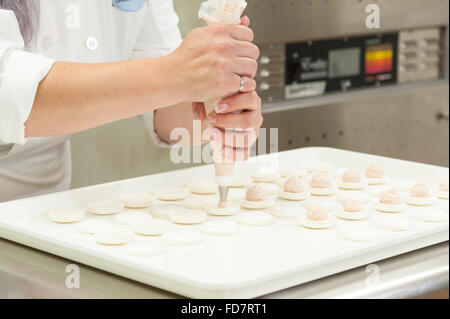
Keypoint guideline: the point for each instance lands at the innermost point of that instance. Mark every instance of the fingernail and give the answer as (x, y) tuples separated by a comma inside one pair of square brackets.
[(223, 107), (212, 119)]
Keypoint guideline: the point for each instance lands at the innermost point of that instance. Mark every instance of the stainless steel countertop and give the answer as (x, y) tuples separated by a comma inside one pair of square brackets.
[(29, 273)]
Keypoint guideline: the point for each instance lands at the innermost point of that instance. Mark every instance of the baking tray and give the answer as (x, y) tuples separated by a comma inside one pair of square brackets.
[(255, 262)]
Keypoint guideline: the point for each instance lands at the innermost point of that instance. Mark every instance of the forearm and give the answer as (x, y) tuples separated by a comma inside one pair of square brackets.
[(179, 116), (210, 62), (75, 97)]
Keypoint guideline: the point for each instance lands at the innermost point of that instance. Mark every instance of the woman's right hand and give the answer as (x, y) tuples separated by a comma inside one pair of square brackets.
[(211, 61)]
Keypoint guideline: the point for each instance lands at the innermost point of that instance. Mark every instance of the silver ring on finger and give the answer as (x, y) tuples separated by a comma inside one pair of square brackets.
[(241, 89)]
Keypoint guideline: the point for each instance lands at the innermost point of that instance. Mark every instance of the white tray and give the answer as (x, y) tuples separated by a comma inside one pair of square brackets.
[(257, 261)]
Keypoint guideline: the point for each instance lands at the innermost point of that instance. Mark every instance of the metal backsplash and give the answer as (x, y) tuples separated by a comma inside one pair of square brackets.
[(302, 20), (411, 125), (403, 121)]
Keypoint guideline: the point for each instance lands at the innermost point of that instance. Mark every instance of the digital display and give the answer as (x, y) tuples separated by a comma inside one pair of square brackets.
[(341, 64), (344, 62), (379, 58)]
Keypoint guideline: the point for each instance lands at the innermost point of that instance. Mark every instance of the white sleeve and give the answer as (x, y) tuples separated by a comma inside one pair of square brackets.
[(20, 74), (159, 36)]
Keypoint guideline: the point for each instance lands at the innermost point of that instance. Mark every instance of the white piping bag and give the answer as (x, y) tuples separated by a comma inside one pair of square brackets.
[(221, 12)]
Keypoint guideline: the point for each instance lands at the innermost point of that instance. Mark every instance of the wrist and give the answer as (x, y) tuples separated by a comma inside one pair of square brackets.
[(174, 82), (156, 82)]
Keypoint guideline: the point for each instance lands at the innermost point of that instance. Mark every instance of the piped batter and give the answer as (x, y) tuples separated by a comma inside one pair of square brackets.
[(390, 202), (317, 217), (294, 189), (375, 174), (352, 179), (322, 185), (420, 195), (257, 197)]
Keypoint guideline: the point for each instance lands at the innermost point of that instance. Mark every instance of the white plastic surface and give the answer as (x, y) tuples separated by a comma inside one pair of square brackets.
[(256, 261)]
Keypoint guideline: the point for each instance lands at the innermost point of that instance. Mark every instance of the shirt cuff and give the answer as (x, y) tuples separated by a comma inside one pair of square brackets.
[(18, 87), (149, 121)]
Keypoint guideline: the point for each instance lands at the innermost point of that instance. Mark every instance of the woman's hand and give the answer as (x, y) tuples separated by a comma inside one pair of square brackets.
[(237, 125), (211, 61)]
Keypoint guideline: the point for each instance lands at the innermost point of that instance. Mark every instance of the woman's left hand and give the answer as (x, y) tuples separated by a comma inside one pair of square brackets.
[(236, 125)]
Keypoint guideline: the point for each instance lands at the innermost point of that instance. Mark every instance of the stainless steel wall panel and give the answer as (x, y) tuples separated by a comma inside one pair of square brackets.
[(411, 124), (301, 20)]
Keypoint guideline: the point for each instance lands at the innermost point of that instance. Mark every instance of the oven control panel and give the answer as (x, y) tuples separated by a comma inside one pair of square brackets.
[(315, 68), (298, 70)]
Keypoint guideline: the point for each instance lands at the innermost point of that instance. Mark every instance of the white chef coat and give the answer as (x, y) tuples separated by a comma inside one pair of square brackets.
[(86, 31)]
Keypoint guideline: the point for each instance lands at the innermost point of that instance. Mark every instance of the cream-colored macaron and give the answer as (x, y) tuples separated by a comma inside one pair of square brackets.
[(150, 226), (203, 187), (257, 205), (171, 193), (200, 202), (188, 216), (182, 238), (443, 190), (375, 174), (330, 205), (390, 202), (163, 210), (420, 195), (317, 217), (318, 224), (352, 209), (66, 215), (114, 235), (352, 179), (294, 189), (322, 185), (230, 209), (105, 207), (136, 200), (294, 196), (257, 197), (271, 189)]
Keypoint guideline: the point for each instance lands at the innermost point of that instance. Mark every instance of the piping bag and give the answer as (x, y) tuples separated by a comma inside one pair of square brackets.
[(221, 12)]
